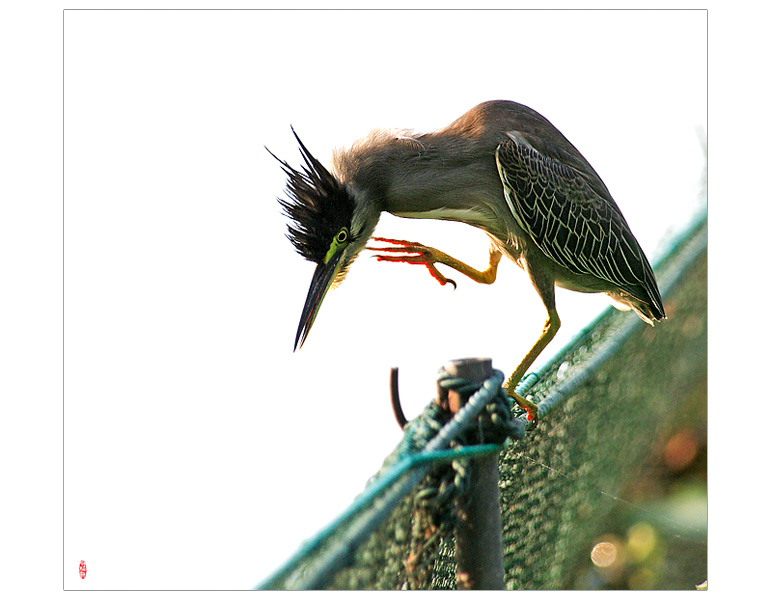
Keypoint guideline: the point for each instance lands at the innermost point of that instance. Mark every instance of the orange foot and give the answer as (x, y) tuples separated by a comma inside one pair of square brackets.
[(414, 254)]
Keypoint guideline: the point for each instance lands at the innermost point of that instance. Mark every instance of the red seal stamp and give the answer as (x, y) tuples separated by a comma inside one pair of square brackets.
[(82, 569)]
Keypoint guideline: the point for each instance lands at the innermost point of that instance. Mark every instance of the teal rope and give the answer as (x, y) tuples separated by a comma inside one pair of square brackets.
[(383, 494)]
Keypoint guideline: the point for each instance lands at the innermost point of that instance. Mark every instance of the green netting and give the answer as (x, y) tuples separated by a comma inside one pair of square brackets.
[(609, 400)]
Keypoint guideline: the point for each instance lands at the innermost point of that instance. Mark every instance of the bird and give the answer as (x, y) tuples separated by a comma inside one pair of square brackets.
[(501, 167)]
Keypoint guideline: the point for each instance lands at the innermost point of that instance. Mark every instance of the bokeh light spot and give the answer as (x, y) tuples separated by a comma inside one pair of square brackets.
[(603, 554)]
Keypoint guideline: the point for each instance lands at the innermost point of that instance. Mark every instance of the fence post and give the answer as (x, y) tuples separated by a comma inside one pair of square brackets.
[(479, 551)]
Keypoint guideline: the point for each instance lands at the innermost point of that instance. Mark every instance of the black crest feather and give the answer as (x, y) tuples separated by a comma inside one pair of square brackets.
[(318, 205)]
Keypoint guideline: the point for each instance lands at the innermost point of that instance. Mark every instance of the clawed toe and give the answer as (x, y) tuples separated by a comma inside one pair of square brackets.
[(398, 246), (411, 253)]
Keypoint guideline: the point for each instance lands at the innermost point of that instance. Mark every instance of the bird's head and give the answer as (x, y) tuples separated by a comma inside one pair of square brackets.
[(329, 225)]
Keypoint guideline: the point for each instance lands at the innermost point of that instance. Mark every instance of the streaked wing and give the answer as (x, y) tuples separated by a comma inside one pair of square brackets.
[(569, 221)]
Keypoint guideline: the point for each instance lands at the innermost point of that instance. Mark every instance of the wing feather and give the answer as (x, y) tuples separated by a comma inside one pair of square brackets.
[(570, 221)]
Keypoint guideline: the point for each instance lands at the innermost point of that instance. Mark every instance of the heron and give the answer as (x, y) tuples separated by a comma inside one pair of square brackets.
[(501, 167)]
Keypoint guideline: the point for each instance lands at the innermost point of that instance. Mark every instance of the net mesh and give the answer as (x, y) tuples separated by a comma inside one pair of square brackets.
[(578, 476)]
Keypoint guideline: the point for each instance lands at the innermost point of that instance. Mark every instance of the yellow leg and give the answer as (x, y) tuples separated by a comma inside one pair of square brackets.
[(418, 254), (548, 333)]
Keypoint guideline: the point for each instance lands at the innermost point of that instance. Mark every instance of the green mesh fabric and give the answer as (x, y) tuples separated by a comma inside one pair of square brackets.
[(560, 486), (573, 479)]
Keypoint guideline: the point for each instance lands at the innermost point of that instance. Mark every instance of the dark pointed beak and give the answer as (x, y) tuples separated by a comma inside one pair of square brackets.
[(323, 277)]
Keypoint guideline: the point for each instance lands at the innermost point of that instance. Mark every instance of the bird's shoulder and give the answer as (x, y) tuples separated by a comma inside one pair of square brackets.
[(495, 122)]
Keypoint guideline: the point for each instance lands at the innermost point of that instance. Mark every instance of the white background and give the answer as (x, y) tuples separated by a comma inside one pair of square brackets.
[(199, 451)]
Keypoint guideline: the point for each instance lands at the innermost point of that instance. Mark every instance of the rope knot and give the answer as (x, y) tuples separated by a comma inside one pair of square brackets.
[(496, 422)]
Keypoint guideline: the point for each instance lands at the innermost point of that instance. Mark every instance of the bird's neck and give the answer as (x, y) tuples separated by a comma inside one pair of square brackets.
[(424, 176)]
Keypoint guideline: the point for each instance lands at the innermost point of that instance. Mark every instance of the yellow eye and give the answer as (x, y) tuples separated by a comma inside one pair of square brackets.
[(340, 240)]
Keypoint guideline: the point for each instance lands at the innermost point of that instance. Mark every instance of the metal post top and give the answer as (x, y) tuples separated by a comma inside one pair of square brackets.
[(471, 369)]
